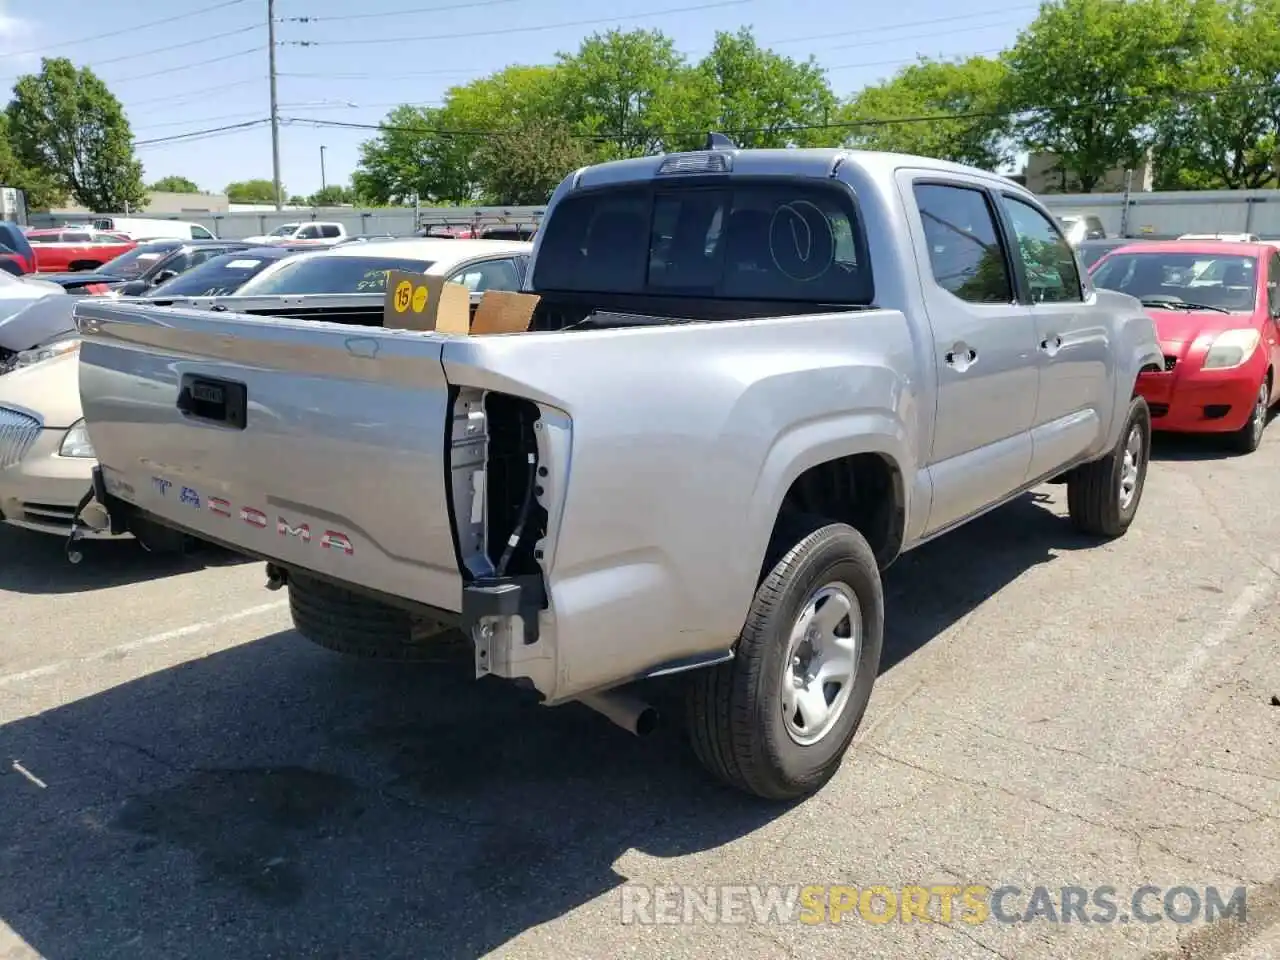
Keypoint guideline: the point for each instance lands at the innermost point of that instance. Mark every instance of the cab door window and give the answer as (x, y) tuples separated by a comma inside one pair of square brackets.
[(1050, 263)]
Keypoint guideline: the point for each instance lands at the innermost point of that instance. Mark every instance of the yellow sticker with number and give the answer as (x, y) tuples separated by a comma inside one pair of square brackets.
[(419, 299), (404, 292)]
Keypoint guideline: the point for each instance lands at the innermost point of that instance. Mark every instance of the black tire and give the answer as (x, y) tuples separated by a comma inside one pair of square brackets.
[(1249, 437), (349, 623), (735, 710), (1093, 492)]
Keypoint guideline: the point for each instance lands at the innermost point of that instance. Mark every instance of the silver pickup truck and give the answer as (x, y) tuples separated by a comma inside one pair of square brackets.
[(753, 379)]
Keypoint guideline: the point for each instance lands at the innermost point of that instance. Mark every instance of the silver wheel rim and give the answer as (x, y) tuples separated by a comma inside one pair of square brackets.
[(822, 663), (1130, 467), (1260, 410)]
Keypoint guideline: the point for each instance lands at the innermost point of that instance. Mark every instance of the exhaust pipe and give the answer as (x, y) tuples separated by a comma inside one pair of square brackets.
[(95, 517), (633, 715)]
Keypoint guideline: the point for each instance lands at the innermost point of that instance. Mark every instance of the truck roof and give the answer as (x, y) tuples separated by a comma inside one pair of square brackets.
[(426, 248), (816, 162)]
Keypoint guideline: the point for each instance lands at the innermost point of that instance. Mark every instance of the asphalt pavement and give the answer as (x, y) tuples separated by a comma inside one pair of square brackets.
[(181, 776)]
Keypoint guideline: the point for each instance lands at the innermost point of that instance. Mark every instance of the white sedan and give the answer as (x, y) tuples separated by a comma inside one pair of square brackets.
[(46, 455)]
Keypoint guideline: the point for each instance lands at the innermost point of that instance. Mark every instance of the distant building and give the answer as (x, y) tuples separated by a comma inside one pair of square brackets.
[(177, 206), (1044, 173)]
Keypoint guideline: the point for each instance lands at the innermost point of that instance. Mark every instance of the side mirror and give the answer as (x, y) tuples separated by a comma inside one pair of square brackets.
[(163, 277), (133, 288)]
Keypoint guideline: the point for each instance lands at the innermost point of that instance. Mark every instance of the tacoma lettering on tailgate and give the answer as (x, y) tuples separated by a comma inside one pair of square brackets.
[(258, 520)]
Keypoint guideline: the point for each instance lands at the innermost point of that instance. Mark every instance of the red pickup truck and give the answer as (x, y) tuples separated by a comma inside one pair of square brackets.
[(64, 250)]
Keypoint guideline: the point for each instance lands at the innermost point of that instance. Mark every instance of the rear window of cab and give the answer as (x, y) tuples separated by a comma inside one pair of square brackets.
[(782, 240)]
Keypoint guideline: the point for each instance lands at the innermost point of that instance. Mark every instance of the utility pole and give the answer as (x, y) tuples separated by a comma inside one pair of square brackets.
[(275, 109), (323, 184)]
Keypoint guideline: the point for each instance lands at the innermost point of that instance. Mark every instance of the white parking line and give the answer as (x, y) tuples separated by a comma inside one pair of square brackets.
[(155, 638), (1170, 693)]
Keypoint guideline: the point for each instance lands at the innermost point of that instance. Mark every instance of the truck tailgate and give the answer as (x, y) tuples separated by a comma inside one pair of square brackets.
[(316, 444)]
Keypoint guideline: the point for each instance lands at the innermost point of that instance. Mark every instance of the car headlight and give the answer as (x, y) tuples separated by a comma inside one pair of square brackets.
[(1231, 348), (47, 351), (76, 443)]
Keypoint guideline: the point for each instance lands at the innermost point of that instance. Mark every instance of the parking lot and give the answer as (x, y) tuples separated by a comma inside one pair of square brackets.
[(182, 776)]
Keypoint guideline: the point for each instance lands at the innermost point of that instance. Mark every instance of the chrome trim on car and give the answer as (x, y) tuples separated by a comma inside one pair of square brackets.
[(18, 431)]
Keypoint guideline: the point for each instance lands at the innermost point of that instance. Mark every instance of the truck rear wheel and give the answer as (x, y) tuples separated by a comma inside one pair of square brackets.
[(353, 624), (777, 720), (1103, 496)]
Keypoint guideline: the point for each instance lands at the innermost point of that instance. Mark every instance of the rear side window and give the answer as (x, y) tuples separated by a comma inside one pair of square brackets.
[(332, 275), (200, 233), (1049, 260), (965, 253), (762, 240), (76, 238), (218, 277), (329, 230)]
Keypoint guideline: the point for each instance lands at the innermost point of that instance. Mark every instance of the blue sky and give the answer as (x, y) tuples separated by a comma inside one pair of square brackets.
[(371, 55)]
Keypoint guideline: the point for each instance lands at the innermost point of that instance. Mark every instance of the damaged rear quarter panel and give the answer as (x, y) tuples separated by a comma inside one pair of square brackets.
[(684, 440)]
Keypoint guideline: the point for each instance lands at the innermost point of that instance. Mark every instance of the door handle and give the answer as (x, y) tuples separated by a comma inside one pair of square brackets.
[(1051, 344), (961, 359)]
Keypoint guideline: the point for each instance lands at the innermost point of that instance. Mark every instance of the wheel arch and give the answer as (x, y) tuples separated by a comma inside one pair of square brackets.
[(852, 469)]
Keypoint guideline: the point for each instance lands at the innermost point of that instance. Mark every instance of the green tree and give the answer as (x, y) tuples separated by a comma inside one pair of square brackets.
[(527, 164), (933, 88), (253, 191), (624, 87), (174, 185), (415, 153), (333, 195), (66, 122), (1223, 132), (760, 98), (42, 190), (1092, 78)]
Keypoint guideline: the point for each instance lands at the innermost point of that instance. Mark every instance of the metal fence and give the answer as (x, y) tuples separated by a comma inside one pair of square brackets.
[(396, 221), (1156, 215), (1171, 214)]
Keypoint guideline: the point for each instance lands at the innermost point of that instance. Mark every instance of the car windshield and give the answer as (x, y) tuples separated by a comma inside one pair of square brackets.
[(138, 260), (283, 230), (1091, 254), (1223, 281), (754, 240), (328, 274), (219, 277)]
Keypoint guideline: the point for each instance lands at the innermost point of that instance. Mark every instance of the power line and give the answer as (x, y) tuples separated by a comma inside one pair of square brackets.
[(406, 76), (858, 64), (175, 98), (836, 125), (126, 30), (913, 36), (190, 120), (188, 66), (902, 26), (397, 13), (174, 46), (380, 76), (203, 134), (531, 29)]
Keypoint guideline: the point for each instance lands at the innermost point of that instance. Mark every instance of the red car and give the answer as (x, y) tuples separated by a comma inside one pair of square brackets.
[(1216, 306), (65, 250)]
